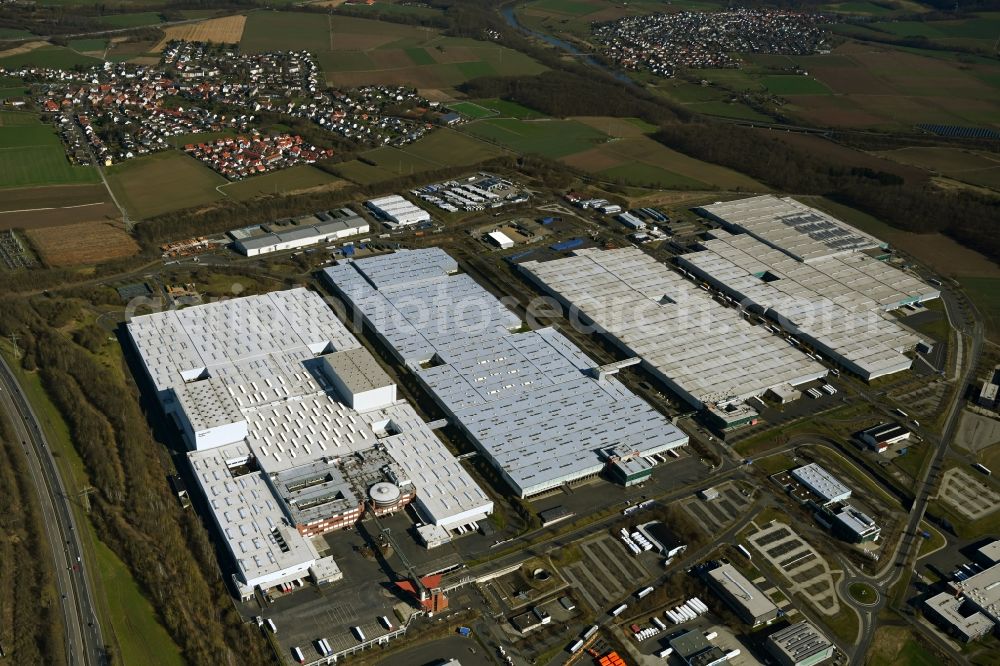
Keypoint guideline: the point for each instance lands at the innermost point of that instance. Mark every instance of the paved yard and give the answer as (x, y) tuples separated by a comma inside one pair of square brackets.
[(715, 515), (606, 572), (804, 568), (968, 495)]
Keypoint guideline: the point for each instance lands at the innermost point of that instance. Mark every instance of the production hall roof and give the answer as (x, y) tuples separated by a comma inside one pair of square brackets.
[(527, 399), (821, 482), (803, 232), (838, 302), (263, 359), (705, 350)]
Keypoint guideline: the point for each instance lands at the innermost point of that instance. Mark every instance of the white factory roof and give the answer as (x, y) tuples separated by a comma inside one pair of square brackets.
[(991, 551), (971, 625), (983, 590), (250, 518), (501, 239), (526, 399), (259, 359), (742, 591), (838, 302), (397, 210), (803, 232), (821, 482), (703, 348), (799, 643)]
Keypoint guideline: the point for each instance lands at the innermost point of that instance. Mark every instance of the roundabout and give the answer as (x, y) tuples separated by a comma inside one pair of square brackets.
[(863, 594)]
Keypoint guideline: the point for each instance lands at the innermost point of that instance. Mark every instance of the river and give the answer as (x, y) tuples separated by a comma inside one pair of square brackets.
[(508, 14)]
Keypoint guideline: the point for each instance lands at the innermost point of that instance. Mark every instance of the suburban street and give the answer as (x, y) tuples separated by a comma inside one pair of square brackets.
[(84, 644)]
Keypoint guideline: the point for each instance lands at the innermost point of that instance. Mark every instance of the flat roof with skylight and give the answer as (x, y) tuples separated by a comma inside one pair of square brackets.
[(528, 400), (702, 349)]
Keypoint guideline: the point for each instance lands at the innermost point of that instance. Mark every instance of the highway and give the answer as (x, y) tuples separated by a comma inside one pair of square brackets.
[(84, 643)]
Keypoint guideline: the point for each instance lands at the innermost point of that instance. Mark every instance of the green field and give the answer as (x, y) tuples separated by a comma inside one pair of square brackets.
[(13, 91), (32, 154), (647, 175), (858, 8), (141, 638), (979, 32), (13, 33), (88, 44), (387, 8), (976, 168), (357, 51), (163, 182), (551, 138), (437, 150), (794, 84), (298, 177), (510, 109), (49, 56), (985, 294), (472, 110)]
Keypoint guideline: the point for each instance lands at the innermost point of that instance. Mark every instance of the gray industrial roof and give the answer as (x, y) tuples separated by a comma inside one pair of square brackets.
[(799, 642), (983, 590), (527, 399), (702, 347), (357, 369), (821, 482), (838, 302), (803, 232), (742, 591)]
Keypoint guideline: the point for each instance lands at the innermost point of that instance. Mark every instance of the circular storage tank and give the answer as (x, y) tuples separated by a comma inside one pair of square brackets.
[(384, 494)]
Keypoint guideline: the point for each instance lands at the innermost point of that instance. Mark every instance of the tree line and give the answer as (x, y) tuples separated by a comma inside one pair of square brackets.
[(166, 548), (913, 204)]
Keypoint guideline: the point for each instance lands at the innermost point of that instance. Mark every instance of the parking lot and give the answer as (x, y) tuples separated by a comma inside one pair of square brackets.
[(715, 515), (606, 572), (806, 570), (968, 495)]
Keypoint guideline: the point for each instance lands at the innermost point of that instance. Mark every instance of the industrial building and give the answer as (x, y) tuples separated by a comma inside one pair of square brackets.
[(396, 211), (694, 650), (854, 525), (822, 484), (308, 230), (886, 438), (501, 240), (535, 406), (294, 431), (814, 277), (704, 350), (803, 233), (752, 605), (799, 644), (962, 619), (982, 592)]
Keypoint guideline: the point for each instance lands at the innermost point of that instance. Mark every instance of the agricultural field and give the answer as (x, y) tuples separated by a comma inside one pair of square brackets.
[(509, 109), (32, 154), (976, 168), (163, 182), (793, 84), (473, 111), (354, 51), (132, 20), (640, 161), (572, 18), (436, 150), (82, 243), (976, 33), (54, 205), (45, 56), (389, 9), (225, 30), (551, 138), (293, 179)]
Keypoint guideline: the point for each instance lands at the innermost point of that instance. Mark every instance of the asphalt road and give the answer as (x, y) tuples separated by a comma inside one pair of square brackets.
[(84, 644)]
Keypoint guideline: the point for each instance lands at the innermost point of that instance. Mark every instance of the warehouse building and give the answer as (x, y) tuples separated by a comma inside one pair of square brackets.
[(308, 231), (533, 404), (803, 233), (982, 592), (885, 438), (501, 240), (854, 525), (294, 429), (396, 211), (835, 304), (960, 618), (822, 484), (799, 644), (752, 605), (705, 351)]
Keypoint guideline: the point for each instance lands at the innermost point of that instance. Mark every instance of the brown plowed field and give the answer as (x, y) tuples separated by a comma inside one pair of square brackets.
[(82, 243)]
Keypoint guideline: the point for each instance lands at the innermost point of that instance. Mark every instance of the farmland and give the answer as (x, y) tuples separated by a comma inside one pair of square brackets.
[(437, 150), (32, 154), (295, 178), (225, 30), (354, 51), (977, 168), (164, 182), (82, 243), (551, 138), (54, 205), (46, 56)]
